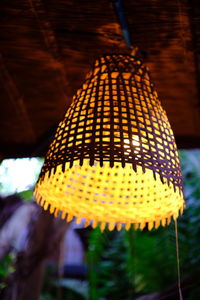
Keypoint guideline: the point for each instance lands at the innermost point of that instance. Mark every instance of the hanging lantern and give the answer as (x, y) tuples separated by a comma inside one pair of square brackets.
[(114, 159)]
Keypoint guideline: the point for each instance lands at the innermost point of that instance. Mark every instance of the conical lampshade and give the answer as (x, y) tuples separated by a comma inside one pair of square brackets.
[(114, 159)]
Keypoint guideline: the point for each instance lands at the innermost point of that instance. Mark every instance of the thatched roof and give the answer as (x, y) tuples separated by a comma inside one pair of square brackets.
[(47, 46)]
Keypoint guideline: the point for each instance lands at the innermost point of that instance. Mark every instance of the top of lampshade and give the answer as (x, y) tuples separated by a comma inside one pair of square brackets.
[(115, 121)]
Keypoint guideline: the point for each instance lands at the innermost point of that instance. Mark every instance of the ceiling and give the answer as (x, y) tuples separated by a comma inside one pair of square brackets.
[(47, 47)]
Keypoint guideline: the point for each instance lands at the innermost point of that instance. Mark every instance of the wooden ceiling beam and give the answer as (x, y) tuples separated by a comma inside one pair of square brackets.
[(48, 47), (50, 40), (194, 13), (17, 102)]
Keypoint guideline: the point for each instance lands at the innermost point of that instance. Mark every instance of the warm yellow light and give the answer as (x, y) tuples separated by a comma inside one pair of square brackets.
[(110, 195), (114, 159), (134, 141)]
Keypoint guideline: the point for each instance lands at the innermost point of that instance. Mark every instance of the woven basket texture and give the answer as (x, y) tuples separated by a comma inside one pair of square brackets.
[(114, 159)]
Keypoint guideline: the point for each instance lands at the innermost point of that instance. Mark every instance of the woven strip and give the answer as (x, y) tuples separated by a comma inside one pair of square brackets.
[(115, 119)]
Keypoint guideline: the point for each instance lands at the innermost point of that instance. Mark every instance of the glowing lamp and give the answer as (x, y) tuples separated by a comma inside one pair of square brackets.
[(114, 159)]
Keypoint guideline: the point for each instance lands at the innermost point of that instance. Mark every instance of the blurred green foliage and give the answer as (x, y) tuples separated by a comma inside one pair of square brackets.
[(62, 288), (6, 269)]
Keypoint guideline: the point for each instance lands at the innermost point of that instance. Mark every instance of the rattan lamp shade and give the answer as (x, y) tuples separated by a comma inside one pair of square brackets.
[(114, 159)]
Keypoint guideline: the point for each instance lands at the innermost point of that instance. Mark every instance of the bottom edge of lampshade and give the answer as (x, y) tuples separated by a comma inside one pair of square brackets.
[(154, 224), (111, 197)]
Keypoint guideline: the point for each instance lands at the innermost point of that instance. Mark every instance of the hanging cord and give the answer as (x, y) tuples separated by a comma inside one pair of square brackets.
[(119, 10), (178, 261)]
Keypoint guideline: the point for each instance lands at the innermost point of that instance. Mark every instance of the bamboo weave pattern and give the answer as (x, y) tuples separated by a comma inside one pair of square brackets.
[(114, 157)]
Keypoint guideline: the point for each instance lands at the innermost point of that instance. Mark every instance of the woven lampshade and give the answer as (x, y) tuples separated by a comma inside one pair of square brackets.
[(114, 159)]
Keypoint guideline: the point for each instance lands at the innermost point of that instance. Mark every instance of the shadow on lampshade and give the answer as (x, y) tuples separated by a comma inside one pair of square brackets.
[(114, 160)]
